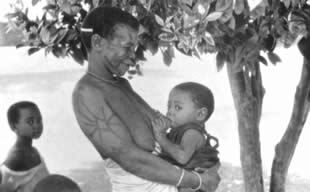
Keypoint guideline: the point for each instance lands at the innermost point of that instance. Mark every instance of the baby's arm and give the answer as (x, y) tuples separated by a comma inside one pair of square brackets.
[(182, 153)]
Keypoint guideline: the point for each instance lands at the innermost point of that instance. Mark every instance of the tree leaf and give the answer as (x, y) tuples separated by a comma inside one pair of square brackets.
[(223, 5), (132, 72), (11, 15), (220, 61), (140, 53), (171, 51), (59, 51), (262, 60), (152, 46), (32, 50), (169, 37), (61, 34), (259, 10), (138, 69), (48, 50), (239, 6), (196, 53), (70, 35), (188, 2), (214, 16), (21, 45), (168, 20), (208, 38), (227, 14), (159, 20), (287, 3), (49, 6), (12, 25), (77, 55), (190, 21), (95, 3), (273, 58), (232, 23), (304, 47), (34, 2), (167, 57)]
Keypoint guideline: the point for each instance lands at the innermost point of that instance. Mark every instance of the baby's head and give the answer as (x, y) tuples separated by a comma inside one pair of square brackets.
[(56, 183), (190, 102), (25, 119)]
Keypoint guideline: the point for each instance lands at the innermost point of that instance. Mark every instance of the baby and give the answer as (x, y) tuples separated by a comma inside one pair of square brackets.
[(24, 166), (187, 145)]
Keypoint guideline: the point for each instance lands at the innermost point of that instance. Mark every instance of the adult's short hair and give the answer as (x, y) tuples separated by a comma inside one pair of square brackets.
[(13, 113), (201, 95), (102, 20), (56, 183)]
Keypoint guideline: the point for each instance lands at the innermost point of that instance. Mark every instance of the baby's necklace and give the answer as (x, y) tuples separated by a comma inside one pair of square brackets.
[(100, 78)]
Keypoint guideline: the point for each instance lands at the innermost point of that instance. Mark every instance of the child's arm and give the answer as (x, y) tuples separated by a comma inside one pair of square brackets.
[(182, 153)]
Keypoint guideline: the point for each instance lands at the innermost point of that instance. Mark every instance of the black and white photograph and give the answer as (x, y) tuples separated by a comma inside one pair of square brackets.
[(154, 95)]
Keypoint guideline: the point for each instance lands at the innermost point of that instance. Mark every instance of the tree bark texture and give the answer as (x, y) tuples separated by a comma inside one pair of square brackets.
[(247, 92), (285, 149)]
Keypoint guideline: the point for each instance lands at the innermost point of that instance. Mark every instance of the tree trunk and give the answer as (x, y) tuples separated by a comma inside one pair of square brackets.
[(284, 150), (247, 92)]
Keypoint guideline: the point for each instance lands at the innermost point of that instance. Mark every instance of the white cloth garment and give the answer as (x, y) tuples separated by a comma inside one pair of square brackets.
[(24, 181), (123, 181)]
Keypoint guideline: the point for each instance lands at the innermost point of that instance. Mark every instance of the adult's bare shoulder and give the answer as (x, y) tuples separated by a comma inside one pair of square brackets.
[(88, 91), (96, 118)]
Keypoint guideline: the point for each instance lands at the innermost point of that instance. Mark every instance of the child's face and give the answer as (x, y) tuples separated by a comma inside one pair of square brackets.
[(181, 108), (30, 123)]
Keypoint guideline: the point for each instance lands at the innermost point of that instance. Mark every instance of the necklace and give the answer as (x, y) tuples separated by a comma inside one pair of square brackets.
[(102, 79)]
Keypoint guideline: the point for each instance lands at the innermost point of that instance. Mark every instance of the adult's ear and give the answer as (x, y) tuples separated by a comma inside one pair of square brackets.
[(202, 114), (96, 42)]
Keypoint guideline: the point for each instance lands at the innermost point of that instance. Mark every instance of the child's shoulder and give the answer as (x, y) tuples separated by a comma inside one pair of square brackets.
[(194, 126), (20, 159)]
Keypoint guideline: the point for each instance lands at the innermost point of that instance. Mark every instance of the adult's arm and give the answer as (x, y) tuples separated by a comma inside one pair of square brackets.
[(112, 140)]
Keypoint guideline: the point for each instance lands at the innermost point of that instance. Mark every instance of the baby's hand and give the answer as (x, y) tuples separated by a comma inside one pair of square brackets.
[(160, 125)]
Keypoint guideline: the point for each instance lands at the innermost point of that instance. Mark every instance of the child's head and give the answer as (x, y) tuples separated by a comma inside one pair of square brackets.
[(25, 119), (190, 102), (102, 21), (56, 183)]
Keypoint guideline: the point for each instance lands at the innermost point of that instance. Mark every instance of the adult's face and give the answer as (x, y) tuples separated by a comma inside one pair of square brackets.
[(119, 51)]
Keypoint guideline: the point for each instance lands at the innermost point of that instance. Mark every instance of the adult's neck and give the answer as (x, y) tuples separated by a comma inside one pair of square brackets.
[(98, 67), (23, 142)]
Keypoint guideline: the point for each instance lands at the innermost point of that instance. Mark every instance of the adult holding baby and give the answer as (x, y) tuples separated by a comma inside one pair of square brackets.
[(116, 119)]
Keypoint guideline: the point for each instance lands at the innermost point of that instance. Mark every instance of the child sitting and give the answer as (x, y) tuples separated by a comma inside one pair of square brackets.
[(56, 183), (187, 145), (24, 166)]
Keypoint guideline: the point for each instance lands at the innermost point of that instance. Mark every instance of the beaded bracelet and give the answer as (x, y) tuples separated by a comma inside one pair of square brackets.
[(200, 181), (181, 178)]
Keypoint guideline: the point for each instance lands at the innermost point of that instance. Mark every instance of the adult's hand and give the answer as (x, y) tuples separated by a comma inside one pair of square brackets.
[(210, 179)]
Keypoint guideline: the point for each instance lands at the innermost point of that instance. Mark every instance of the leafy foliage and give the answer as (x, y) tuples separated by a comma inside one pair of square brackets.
[(194, 27)]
